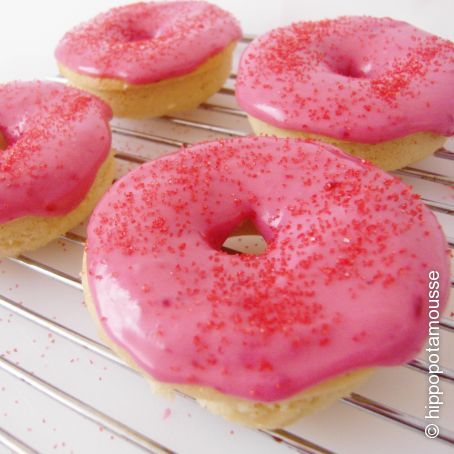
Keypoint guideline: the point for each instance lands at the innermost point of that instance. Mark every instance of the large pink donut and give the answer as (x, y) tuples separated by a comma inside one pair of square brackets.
[(342, 285), (146, 42), (56, 140), (360, 79)]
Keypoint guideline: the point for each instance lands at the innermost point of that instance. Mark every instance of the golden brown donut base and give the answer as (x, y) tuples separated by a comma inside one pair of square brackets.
[(268, 415), (159, 98), (389, 155), (31, 232)]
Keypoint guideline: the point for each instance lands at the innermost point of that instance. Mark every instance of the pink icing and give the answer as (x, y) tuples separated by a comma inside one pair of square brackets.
[(343, 283), (147, 42), (57, 138), (361, 79)]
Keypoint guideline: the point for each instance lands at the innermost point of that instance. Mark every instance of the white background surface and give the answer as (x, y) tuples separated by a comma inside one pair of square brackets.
[(29, 31)]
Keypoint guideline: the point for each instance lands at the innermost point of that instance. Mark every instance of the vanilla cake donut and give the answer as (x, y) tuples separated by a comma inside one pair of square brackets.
[(55, 161), (151, 59), (377, 88), (262, 339)]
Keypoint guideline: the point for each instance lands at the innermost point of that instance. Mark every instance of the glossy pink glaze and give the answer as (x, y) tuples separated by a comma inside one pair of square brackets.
[(360, 79), (342, 285), (57, 138), (147, 42)]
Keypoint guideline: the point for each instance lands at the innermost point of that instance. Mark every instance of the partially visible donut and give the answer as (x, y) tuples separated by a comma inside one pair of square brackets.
[(55, 162), (377, 88), (341, 288), (151, 59)]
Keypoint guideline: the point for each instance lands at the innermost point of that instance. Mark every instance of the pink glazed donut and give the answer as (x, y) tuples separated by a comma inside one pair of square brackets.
[(55, 161), (378, 88), (262, 339), (149, 59)]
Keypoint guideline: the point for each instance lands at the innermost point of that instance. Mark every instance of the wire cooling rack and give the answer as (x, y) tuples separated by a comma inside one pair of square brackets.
[(63, 390)]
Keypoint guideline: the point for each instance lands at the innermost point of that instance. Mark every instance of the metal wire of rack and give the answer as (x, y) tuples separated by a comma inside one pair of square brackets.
[(218, 117)]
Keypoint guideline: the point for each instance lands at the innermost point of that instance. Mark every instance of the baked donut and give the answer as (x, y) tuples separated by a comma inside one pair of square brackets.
[(262, 339), (377, 88), (151, 59), (55, 161)]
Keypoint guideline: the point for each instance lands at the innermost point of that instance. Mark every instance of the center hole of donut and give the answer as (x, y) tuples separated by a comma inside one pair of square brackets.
[(138, 35), (348, 68), (245, 238)]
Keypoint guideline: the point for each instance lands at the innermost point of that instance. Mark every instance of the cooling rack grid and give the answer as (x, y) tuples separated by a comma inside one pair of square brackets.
[(62, 390)]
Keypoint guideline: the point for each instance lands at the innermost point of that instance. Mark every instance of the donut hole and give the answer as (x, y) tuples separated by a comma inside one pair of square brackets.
[(348, 68), (245, 238), (132, 34)]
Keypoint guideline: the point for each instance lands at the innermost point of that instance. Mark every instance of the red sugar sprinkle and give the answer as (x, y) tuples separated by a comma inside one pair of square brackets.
[(167, 413)]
